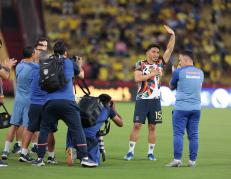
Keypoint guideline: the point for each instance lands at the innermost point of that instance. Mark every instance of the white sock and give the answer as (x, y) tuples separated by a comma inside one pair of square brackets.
[(151, 148), (7, 146), (24, 151), (51, 154), (19, 143), (131, 146), (34, 144)]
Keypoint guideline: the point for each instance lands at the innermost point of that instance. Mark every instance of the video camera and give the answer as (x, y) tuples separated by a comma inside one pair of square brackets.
[(75, 58)]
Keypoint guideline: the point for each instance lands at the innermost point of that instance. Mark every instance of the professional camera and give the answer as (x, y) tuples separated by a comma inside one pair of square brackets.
[(74, 58)]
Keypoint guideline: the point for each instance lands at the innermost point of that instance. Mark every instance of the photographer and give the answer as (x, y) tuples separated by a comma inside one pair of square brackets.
[(61, 105), (108, 111)]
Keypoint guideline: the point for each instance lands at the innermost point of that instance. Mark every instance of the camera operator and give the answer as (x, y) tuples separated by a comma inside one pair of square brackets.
[(61, 105), (93, 144)]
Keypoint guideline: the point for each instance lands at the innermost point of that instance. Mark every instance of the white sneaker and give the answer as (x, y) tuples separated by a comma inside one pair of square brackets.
[(174, 163), (191, 163), (38, 162), (86, 162), (5, 155), (3, 164)]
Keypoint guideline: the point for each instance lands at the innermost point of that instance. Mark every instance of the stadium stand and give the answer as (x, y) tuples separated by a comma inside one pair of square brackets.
[(113, 34)]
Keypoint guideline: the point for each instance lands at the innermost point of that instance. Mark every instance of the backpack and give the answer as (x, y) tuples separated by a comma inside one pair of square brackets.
[(52, 77), (90, 109), (90, 106)]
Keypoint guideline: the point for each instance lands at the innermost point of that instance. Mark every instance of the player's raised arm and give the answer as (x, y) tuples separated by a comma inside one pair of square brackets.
[(171, 44)]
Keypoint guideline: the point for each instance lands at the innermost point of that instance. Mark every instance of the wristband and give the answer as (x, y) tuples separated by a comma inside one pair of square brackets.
[(5, 68)]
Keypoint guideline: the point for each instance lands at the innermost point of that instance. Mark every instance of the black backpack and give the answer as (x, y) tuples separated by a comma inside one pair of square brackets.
[(90, 106), (52, 77), (90, 109)]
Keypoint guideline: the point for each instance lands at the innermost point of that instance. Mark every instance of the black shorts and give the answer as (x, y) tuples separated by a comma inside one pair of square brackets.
[(148, 108), (34, 114)]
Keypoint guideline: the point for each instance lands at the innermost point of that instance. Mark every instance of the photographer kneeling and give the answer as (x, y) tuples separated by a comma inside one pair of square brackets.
[(92, 132)]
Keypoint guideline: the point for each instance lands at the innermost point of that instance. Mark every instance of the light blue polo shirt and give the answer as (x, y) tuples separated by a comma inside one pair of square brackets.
[(188, 83)]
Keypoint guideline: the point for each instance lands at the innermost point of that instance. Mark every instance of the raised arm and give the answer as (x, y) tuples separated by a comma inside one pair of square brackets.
[(6, 67), (171, 44)]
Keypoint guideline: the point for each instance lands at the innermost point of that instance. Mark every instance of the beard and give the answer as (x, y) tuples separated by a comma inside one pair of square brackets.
[(155, 59)]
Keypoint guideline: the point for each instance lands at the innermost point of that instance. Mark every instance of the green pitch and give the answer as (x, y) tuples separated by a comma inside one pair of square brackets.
[(214, 160)]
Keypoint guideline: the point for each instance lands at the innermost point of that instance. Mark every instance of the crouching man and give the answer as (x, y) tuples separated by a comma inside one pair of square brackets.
[(91, 133)]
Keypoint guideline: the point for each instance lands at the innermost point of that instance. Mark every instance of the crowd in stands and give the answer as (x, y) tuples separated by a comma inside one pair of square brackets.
[(113, 34)]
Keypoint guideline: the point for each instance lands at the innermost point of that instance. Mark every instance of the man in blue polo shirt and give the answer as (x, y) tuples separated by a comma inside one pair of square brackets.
[(38, 99), (19, 116), (61, 105), (187, 80), (91, 133)]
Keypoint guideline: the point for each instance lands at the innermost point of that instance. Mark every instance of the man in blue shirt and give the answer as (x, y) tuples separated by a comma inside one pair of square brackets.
[(38, 99), (19, 116), (187, 80), (92, 132), (61, 105)]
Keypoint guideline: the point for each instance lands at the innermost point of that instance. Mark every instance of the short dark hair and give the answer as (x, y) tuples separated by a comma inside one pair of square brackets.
[(152, 46), (104, 98), (41, 39), (60, 48), (28, 52), (188, 53)]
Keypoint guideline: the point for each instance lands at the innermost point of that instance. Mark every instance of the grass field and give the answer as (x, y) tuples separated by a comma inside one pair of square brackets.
[(214, 160)]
